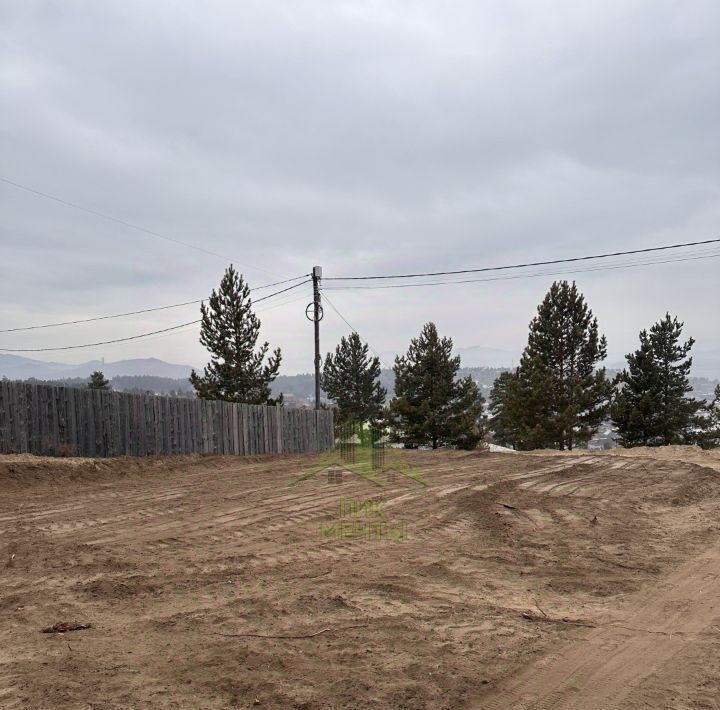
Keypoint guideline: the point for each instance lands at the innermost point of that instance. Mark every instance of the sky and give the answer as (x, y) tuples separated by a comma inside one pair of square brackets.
[(365, 137)]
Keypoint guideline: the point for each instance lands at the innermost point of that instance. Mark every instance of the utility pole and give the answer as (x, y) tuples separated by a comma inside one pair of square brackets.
[(317, 317)]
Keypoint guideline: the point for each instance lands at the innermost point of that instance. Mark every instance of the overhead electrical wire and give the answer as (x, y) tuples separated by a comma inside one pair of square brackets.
[(355, 330), (608, 267), (123, 222), (135, 313), (140, 335), (527, 264), (104, 342), (263, 309), (282, 302)]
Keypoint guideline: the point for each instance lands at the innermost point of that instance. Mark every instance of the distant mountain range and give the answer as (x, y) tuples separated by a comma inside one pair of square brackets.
[(22, 368)]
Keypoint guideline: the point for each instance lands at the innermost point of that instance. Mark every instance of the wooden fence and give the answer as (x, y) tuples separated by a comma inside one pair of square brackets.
[(66, 421)]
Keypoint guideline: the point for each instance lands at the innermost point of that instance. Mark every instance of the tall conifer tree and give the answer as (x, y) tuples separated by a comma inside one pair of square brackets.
[(237, 372), (556, 397), (651, 407), (431, 407), (351, 378)]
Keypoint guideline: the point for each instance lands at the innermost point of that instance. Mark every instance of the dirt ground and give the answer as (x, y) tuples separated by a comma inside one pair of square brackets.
[(576, 580)]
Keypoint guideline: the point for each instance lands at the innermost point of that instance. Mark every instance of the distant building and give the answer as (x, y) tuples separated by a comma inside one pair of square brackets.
[(605, 438)]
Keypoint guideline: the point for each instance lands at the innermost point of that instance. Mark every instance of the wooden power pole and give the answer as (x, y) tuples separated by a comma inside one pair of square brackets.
[(317, 317)]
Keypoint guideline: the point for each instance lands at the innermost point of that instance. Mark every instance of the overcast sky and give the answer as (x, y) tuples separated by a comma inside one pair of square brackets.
[(367, 137)]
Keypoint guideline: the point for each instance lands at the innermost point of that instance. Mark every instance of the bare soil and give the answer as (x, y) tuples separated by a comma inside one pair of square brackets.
[(574, 580)]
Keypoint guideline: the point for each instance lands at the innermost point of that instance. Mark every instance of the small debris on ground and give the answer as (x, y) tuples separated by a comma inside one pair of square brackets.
[(563, 620), (63, 627)]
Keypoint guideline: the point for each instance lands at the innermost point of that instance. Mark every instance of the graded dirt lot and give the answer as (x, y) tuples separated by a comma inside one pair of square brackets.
[(518, 581)]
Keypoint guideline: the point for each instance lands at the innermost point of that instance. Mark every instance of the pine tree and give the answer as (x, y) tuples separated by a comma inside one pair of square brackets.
[(230, 330), (503, 420), (350, 378), (466, 417), (635, 411), (432, 407), (651, 407), (710, 423), (97, 381), (556, 398)]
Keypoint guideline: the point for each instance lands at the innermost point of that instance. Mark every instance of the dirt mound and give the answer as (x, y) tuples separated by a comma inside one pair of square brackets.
[(688, 454), (27, 470), (691, 454)]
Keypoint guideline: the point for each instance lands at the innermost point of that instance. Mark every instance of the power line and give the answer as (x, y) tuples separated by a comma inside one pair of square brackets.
[(269, 307), (135, 313), (132, 337), (524, 276), (123, 222), (104, 342), (355, 330), (282, 302), (528, 264)]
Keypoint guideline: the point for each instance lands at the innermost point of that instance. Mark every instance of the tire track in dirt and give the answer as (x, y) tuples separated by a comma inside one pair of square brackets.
[(186, 525), (139, 496), (273, 511), (143, 515), (600, 671)]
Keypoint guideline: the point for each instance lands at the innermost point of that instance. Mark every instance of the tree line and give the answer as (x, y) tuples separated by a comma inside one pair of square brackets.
[(557, 397)]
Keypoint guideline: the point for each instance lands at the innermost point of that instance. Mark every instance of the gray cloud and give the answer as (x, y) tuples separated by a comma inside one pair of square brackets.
[(365, 137)]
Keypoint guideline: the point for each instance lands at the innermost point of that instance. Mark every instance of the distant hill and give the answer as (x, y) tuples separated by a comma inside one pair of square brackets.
[(22, 368)]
